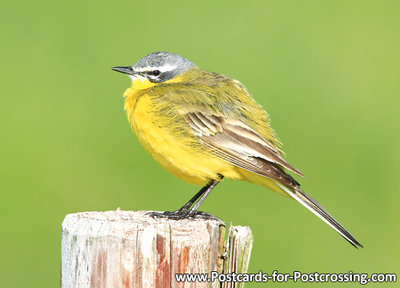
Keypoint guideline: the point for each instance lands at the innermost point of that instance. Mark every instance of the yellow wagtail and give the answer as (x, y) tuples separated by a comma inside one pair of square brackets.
[(202, 126)]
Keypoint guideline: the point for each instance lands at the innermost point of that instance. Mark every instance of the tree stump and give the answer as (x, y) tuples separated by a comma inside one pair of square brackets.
[(132, 249)]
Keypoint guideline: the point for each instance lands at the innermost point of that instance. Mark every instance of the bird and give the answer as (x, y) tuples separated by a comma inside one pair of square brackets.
[(203, 126)]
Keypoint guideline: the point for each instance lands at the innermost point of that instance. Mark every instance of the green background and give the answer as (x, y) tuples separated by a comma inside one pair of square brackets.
[(326, 71)]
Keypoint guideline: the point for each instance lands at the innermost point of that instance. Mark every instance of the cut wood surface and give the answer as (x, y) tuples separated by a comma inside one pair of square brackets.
[(131, 249)]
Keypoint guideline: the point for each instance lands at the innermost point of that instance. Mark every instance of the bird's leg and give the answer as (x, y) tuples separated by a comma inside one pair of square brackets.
[(210, 186), (185, 208), (185, 211)]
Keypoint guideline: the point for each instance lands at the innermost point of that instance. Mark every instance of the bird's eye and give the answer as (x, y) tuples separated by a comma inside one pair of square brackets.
[(154, 72)]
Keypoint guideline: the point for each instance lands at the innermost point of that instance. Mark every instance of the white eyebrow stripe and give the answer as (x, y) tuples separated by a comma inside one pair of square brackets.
[(164, 68), (135, 77)]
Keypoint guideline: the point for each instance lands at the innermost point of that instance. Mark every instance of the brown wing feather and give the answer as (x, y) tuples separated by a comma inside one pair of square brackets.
[(237, 143), (256, 165)]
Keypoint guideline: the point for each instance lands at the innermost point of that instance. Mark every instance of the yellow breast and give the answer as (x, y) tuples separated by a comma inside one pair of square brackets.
[(173, 152)]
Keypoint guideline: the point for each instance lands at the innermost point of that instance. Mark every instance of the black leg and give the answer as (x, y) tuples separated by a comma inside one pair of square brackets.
[(185, 211), (203, 197), (197, 196)]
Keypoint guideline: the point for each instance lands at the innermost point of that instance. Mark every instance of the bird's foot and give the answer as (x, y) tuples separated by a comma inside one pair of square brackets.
[(184, 214), (175, 215)]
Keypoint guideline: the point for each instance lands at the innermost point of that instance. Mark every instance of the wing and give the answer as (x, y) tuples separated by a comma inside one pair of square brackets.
[(223, 116), (237, 143)]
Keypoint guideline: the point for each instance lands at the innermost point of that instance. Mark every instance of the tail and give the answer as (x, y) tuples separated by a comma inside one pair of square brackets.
[(313, 206)]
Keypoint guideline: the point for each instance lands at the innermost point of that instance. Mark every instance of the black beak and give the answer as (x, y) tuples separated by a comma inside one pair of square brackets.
[(125, 70)]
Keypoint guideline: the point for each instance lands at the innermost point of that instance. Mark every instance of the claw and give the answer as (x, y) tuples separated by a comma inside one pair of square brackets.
[(184, 214)]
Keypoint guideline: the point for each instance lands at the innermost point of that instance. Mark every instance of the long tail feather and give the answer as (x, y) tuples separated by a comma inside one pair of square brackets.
[(313, 206)]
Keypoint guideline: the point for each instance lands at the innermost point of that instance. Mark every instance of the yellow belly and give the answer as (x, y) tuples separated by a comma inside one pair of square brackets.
[(174, 153)]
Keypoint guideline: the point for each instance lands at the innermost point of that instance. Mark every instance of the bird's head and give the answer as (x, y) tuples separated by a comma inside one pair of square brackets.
[(156, 68)]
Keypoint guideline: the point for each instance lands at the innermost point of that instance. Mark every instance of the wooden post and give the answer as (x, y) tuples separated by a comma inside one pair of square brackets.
[(132, 249)]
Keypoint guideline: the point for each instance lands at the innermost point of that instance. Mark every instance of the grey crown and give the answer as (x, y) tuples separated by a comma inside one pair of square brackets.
[(158, 60)]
